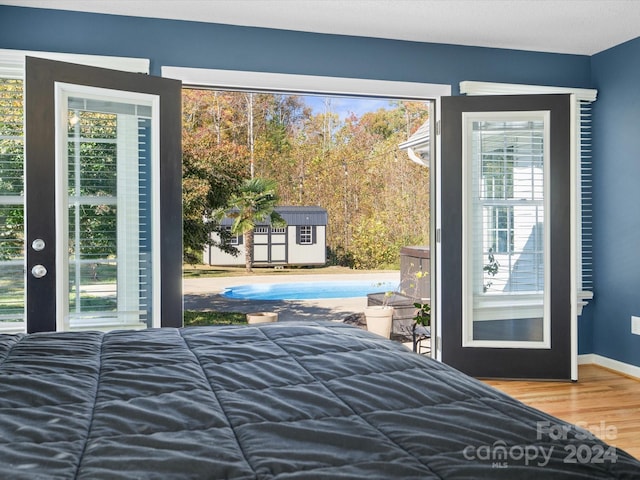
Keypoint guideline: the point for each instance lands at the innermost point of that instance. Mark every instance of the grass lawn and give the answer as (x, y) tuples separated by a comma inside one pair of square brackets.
[(194, 318)]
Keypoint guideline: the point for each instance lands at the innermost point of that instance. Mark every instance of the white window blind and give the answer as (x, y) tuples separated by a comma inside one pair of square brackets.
[(586, 197)]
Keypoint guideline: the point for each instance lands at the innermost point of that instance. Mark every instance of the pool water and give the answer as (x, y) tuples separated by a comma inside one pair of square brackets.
[(308, 290)]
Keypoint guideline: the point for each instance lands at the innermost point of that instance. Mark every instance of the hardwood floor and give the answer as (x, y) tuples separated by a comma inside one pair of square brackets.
[(605, 402)]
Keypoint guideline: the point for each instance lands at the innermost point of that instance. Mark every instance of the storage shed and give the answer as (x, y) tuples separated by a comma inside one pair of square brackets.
[(302, 242)]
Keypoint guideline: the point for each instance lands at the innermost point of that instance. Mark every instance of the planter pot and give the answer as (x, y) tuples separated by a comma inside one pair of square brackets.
[(262, 317), (379, 319)]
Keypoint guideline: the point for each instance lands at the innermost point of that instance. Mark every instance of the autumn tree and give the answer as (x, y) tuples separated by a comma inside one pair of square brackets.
[(361, 177), (351, 166)]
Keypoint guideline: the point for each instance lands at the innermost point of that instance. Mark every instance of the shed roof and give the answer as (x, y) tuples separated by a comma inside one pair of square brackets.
[(295, 215)]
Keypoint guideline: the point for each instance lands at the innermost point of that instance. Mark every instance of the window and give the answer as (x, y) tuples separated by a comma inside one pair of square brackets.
[(234, 239), (12, 288), (305, 233), (505, 190), (509, 207), (279, 230), (500, 231), (259, 230), (497, 186)]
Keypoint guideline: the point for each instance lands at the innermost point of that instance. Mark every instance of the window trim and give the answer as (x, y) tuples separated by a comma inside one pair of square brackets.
[(295, 83), (491, 88), (492, 305), (12, 61), (302, 235)]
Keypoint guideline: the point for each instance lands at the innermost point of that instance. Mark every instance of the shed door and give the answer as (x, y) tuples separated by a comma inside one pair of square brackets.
[(278, 245)]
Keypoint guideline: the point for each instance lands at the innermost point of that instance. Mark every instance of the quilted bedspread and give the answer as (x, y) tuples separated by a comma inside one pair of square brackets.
[(273, 401)]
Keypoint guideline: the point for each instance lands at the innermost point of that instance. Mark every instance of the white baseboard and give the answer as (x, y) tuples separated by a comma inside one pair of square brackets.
[(609, 363)]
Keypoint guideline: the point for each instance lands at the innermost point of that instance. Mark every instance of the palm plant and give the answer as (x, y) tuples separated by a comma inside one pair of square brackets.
[(255, 202)]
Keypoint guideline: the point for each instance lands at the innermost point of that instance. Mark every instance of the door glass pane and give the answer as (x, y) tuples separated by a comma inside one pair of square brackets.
[(12, 288), (109, 214), (504, 227)]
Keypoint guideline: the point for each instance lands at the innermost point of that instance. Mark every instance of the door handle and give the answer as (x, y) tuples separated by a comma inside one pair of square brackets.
[(38, 244), (39, 271)]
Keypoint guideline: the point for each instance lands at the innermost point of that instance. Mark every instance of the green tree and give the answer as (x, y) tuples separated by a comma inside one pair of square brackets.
[(369, 247), (254, 202), (11, 169), (213, 167), (209, 178)]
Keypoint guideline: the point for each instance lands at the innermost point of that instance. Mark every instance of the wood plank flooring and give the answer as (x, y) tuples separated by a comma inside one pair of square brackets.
[(605, 402)]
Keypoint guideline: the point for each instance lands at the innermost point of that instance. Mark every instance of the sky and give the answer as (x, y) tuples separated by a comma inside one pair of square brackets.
[(344, 106)]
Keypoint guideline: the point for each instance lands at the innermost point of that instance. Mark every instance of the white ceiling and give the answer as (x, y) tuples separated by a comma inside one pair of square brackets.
[(564, 26)]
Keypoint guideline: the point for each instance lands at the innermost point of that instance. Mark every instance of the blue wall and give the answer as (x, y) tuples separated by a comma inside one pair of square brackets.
[(604, 327), (616, 139), (192, 44)]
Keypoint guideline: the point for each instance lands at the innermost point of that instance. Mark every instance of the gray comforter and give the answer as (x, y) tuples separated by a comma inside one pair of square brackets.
[(281, 401)]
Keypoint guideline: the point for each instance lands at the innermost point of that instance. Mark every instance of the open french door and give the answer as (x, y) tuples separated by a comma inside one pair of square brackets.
[(103, 198), (506, 283)]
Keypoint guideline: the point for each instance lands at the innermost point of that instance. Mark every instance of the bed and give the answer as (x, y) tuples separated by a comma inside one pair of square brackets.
[(294, 400)]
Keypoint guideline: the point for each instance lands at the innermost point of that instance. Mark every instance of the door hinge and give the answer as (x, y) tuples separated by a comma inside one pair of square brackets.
[(437, 235), (438, 128)]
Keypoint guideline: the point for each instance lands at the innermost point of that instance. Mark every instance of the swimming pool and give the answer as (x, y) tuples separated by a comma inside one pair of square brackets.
[(308, 290)]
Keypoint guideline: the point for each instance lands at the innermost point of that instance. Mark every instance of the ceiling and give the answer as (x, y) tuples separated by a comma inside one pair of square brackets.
[(564, 26)]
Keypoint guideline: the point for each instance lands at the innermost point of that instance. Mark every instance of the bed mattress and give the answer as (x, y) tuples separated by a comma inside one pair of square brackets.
[(295, 400)]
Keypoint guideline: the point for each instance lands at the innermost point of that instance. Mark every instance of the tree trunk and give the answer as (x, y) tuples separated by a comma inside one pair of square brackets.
[(250, 134), (248, 250)]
